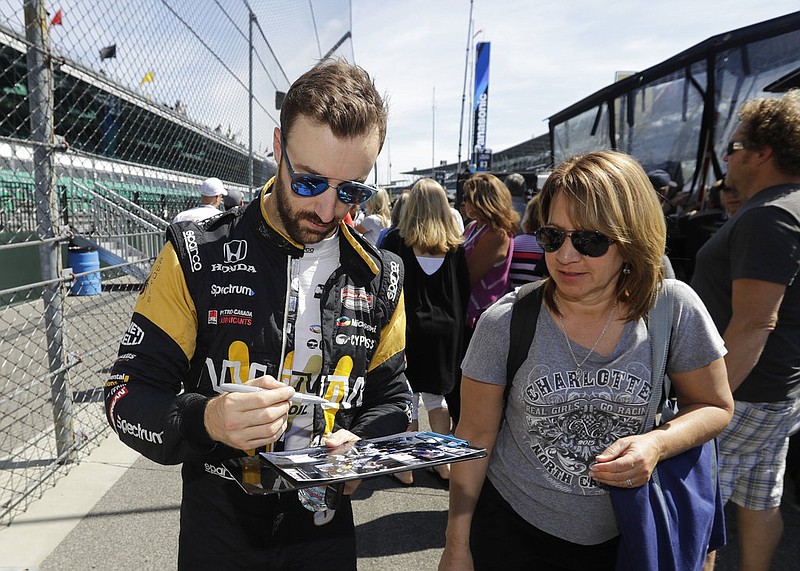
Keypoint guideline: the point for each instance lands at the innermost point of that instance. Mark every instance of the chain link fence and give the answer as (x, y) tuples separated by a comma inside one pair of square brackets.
[(111, 114)]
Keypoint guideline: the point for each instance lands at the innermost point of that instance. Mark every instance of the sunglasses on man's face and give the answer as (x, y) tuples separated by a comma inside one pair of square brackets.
[(348, 191), (587, 242), (734, 146)]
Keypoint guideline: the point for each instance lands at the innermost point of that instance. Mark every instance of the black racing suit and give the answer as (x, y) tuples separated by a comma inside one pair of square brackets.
[(213, 310)]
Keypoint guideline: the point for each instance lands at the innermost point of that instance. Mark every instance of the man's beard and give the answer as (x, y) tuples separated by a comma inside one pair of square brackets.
[(290, 218)]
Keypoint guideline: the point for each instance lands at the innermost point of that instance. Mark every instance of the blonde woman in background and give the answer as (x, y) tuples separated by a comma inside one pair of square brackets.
[(397, 209), (436, 290), (378, 216)]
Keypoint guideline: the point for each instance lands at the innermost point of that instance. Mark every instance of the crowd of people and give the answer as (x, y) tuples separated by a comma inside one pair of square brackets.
[(384, 305)]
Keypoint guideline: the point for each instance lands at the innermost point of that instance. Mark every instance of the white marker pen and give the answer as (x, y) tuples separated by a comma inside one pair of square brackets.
[(300, 398)]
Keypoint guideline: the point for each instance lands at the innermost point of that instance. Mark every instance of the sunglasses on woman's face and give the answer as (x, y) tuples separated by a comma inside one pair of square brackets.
[(348, 191), (587, 242)]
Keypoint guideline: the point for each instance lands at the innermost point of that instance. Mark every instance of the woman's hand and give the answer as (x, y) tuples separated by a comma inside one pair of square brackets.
[(706, 406), (629, 462)]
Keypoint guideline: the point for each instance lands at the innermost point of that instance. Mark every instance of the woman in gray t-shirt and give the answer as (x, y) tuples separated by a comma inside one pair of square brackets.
[(574, 421)]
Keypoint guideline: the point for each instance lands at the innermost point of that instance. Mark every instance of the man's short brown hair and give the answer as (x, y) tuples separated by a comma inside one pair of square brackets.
[(337, 94), (775, 122)]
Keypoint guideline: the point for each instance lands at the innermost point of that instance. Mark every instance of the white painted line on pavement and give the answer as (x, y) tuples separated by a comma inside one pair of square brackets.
[(33, 535)]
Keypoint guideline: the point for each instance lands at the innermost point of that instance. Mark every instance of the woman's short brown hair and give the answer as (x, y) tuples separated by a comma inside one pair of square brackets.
[(608, 191), (491, 199)]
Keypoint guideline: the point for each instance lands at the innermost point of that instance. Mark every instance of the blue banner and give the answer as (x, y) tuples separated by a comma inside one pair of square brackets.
[(481, 99)]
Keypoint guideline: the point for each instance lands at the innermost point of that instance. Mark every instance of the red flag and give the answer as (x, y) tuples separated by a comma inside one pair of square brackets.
[(56, 21)]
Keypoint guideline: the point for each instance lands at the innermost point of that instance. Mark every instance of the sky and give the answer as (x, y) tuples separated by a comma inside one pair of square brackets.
[(545, 56)]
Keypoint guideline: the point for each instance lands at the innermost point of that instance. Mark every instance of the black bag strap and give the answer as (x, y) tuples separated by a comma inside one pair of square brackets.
[(524, 314)]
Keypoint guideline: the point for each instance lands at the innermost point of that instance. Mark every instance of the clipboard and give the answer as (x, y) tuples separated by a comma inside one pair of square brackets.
[(275, 472)]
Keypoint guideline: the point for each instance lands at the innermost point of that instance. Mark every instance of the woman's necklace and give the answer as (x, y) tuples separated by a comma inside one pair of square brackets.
[(579, 366)]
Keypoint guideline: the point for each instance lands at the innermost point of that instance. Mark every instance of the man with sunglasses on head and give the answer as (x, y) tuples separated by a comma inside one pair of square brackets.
[(747, 276), (280, 295)]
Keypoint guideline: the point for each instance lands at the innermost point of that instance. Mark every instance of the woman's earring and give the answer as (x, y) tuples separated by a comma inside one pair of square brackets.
[(626, 269)]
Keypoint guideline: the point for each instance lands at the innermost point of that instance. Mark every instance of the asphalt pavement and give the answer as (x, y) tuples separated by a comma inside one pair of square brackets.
[(134, 525), (120, 511)]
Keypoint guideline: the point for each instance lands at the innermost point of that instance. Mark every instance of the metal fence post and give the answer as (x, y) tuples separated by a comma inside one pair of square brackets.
[(40, 83), (252, 19)]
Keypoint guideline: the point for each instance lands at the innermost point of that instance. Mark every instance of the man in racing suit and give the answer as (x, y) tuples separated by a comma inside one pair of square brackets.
[(281, 289)]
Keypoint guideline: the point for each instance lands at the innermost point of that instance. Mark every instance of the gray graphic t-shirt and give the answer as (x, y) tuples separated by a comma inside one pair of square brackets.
[(556, 422)]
